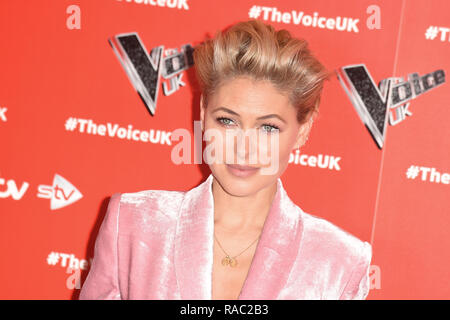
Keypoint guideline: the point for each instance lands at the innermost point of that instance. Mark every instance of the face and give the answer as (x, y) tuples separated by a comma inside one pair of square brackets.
[(250, 122)]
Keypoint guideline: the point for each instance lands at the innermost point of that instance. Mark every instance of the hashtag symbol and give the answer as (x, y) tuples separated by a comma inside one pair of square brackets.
[(71, 124), (412, 172), (53, 258), (431, 32), (254, 12)]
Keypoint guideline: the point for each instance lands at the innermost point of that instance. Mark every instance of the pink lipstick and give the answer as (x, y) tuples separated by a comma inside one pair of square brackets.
[(241, 170)]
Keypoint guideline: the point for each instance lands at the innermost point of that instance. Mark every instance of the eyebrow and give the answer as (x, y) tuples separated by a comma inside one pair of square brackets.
[(272, 115)]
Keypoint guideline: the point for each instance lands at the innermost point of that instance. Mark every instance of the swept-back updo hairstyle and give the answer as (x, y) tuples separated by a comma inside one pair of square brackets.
[(257, 50)]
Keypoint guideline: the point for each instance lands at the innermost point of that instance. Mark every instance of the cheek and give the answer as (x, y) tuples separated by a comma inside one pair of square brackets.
[(286, 145), (280, 146), (216, 145)]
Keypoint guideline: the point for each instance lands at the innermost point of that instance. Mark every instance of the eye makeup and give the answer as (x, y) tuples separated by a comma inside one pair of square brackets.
[(224, 121)]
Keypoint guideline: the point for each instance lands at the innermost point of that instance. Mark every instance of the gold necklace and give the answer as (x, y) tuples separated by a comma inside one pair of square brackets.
[(231, 261)]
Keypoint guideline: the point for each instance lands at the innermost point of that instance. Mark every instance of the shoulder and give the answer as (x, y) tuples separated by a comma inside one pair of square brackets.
[(160, 200), (327, 236), (342, 253), (137, 209)]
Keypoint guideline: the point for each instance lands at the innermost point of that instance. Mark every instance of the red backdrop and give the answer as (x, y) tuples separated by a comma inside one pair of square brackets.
[(60, 76)]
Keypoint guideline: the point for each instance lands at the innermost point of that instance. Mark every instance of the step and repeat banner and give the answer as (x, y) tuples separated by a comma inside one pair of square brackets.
[(91, 90)]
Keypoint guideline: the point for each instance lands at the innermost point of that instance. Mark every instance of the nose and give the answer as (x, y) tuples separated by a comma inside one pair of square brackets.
[(246, 148)]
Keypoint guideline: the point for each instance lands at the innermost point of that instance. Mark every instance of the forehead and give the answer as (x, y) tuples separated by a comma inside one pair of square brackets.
[(251, 97)]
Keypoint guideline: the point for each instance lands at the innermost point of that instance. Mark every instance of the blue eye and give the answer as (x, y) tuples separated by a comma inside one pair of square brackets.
[(270, 128), (224, 121)]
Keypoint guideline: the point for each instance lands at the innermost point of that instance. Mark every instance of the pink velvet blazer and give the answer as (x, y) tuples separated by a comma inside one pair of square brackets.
[(158, 244)]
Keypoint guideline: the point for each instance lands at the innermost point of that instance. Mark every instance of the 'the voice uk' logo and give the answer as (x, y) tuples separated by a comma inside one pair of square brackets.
[(145, 70), (389, 102), (61, 193)]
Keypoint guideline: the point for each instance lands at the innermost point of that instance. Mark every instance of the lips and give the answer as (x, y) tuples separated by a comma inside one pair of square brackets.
[(241, 170), (241, 167)]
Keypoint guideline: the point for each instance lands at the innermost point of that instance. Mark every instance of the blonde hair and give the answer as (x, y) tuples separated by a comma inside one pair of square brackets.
[(255, 49)]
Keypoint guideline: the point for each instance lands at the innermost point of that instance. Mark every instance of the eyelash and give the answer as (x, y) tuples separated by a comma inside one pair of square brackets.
[(219, 119)]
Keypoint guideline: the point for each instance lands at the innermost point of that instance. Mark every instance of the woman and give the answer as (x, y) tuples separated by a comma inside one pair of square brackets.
[(237, 235)]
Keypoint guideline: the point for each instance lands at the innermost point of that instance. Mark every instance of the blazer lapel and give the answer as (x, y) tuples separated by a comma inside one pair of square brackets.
[(276, 250), (275, 253), (193, 257)]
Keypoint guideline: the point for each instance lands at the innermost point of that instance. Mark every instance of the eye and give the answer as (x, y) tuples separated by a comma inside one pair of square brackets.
[(224, 121), (270, 128)]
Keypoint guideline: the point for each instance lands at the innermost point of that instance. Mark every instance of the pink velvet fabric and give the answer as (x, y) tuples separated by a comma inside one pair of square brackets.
[(158, 244)]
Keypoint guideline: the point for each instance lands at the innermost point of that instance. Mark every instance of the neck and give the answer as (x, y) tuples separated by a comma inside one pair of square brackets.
[(240, 214)]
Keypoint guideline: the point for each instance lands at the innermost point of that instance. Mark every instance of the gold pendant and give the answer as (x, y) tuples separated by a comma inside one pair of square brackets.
[(232, 262), (225, 261)]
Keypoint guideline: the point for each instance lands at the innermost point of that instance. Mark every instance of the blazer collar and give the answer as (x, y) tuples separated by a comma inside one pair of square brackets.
[(275, 252)]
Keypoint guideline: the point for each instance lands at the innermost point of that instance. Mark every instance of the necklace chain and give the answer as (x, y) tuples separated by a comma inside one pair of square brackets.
[(232, 260)]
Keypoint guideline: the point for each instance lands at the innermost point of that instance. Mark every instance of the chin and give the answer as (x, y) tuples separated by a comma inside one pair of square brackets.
[(241, 184)]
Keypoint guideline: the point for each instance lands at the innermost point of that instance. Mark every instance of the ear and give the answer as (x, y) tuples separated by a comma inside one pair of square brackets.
[(303, 133)]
